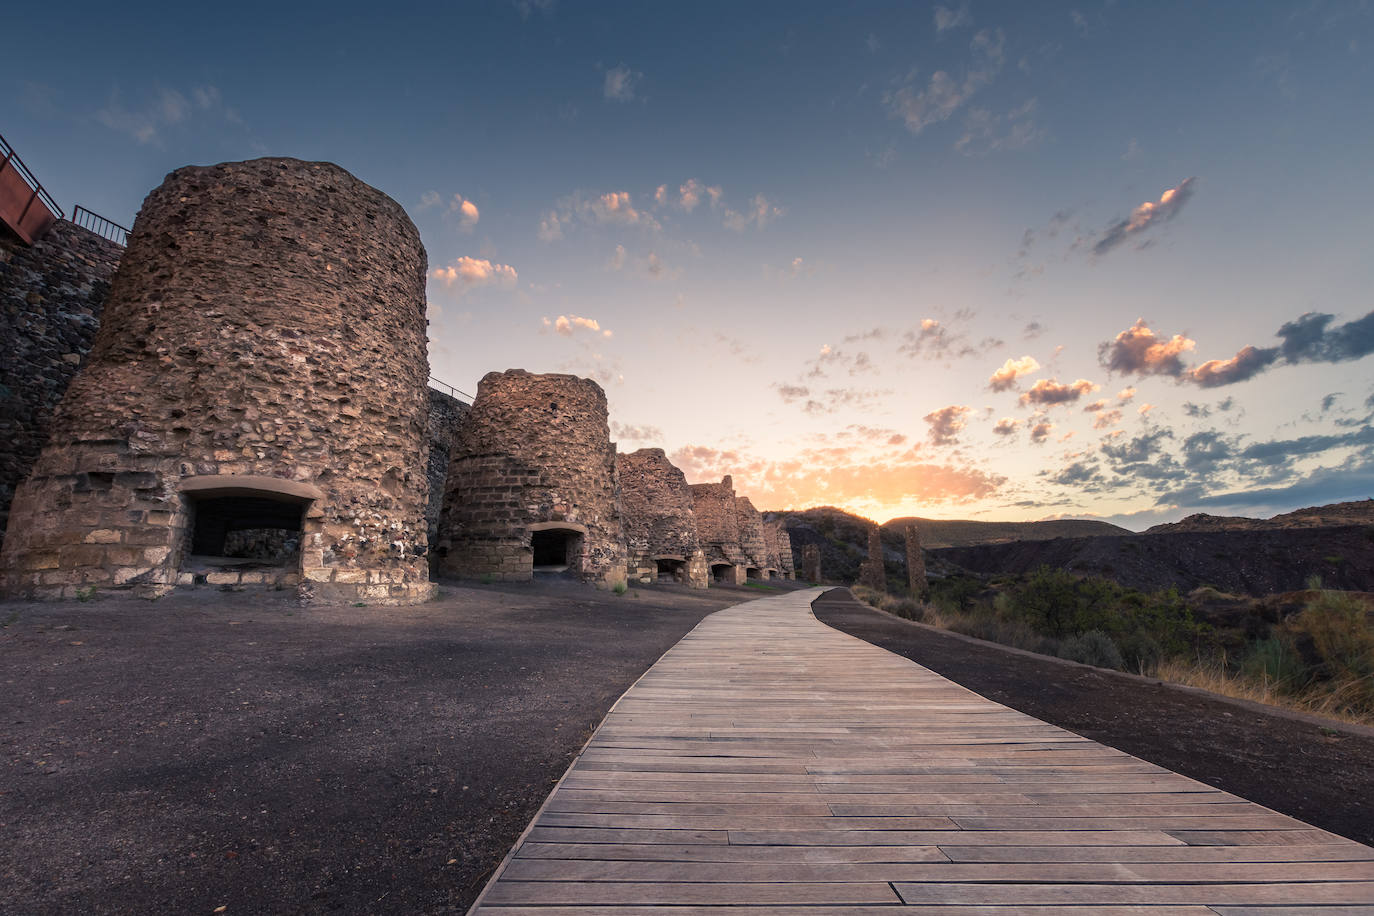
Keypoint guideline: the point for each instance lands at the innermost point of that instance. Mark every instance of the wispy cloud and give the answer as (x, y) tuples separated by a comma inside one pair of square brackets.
[(757, 214), (943, 95), (946, 18), (147, 122), (620, 83), (1143, 217)]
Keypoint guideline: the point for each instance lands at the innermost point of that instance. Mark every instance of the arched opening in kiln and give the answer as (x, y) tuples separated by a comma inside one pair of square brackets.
[(253, 528), (753, 572), (247, 525), (722, 572), (770, 573), (555, 549), (672, 569)]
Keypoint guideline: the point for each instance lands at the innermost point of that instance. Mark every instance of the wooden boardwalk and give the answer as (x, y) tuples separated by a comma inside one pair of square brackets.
[(770, 764)]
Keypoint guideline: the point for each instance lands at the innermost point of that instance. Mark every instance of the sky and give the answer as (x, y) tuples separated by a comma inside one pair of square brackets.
[(1000, 261)]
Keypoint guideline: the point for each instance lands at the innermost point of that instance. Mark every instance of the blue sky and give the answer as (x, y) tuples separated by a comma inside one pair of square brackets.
[(950, 259)]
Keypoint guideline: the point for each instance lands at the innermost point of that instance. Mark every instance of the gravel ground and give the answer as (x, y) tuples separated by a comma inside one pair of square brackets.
[(1321, 772), (233, 750)]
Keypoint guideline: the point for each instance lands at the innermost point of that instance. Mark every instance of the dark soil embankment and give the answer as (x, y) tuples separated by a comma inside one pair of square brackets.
[(1244, 562), (1322, 776)]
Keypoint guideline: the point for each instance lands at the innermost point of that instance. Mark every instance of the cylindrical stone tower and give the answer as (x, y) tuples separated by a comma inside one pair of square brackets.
[(660, 528), (532, 485), (254, 408)]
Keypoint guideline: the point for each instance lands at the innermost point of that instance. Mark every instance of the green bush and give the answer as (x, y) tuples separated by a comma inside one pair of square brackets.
[(1274, 661), (1092, 648)]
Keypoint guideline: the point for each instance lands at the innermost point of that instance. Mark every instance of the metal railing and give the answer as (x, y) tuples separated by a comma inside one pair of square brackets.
[(105, 228), (40, 194), (450, 390)]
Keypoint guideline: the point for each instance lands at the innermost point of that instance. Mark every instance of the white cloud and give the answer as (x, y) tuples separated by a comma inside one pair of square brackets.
[(568, 325), (465, 274)]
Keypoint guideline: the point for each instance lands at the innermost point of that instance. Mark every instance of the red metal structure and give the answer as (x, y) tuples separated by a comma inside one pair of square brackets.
[(25, 206)]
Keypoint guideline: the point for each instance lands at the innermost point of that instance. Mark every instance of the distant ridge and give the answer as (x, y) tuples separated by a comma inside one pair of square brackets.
[(944, 533), (1358, 512)]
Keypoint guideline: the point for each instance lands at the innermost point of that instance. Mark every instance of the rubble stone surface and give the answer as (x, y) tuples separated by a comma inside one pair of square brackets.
[(533, 470), (263, 344), (51, 297), (660, 527), (445, 415)]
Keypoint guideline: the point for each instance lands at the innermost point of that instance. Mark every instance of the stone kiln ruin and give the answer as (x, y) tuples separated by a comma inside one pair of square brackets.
[(751, 540), (532, 484), (779, 549), (660, 528), (715, 509), (254, 408)]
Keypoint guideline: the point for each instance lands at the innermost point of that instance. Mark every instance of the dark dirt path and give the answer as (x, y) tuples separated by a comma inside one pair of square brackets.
[(1323, 777), (234, 750)]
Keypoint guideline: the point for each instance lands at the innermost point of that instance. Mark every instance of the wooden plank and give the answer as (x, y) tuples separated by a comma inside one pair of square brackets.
[(1346, 893), (751, 770), (669, 892)]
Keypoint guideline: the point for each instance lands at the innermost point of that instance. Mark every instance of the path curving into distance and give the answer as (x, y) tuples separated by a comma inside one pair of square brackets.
[(768, 763)]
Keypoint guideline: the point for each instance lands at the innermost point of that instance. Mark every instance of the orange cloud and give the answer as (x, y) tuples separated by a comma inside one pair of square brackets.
[(838, 476), (1137, 351), (1048, 392), (467, 273), (1011, 370)]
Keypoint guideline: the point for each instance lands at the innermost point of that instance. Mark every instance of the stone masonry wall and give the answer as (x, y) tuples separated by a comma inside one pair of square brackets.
[(445, 415), (751, 539), (779, 548), (534, 453), (51, 297), (659, 523), (713, 504), (265, 335)]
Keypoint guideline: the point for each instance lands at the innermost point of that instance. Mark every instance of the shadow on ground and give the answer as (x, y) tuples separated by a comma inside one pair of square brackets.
[(236, 750)]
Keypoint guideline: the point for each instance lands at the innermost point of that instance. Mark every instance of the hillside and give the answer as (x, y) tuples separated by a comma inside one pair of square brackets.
[(843, 538), (1254, 562)]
